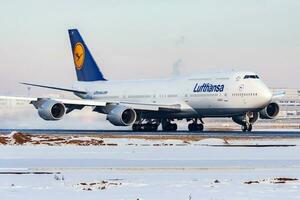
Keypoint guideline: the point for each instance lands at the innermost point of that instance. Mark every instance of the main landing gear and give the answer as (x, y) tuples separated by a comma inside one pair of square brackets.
[(195, 126), (144, 127), (168, 126), (151, 125)]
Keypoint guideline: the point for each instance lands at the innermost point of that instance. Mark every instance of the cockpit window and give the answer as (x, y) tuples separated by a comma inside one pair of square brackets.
[(251, 77)]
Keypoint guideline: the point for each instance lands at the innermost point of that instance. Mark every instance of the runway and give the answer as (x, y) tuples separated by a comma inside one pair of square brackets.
[(132, 165), (272, 133)]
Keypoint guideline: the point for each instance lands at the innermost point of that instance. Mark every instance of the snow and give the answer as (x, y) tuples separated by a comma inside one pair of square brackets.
[(139, 169)]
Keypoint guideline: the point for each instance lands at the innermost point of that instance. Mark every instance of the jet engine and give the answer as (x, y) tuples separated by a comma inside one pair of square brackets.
[(51, 110), (122, 116), (242, 119), (270, 111)]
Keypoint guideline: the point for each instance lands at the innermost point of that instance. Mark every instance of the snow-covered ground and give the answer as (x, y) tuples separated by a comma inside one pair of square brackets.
[(134, 168)]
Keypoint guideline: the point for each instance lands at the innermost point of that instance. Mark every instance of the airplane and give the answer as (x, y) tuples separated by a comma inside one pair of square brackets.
[(146, 104)]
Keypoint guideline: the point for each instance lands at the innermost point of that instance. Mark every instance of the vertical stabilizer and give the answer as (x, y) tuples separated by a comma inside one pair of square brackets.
[(85, 65)]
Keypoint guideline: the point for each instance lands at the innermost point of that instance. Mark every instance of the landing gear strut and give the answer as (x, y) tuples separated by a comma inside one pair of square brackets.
[(247, 126), (195, 126)]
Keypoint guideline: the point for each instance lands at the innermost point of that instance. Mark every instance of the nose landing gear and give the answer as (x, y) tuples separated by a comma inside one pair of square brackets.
[(247, 127), (246, 120)]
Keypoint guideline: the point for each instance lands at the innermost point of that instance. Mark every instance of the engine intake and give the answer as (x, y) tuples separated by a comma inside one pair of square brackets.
[(121, 116), (270, 111), (51, 110)]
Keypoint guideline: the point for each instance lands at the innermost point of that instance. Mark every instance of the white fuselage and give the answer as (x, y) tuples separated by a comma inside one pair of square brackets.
[(205, 95)]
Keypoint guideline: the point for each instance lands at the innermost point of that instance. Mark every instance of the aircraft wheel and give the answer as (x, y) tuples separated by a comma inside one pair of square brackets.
[(147, 127), (169, 127), (244, 128), (200, 127), (135, 127), (174, 127), (195, 127), (153, 127), (192, 127), (144, 127), (249, 128)]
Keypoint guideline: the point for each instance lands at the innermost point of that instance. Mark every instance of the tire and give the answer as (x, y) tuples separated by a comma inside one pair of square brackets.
[(174, 127), (169, 127), (244, 128), (195, 127), (135, 127), (191, 127), (154, 127), (200, 127), (249, 128), (165, 127)]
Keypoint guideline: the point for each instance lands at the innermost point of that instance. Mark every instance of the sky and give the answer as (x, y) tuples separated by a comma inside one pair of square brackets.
[(136, 39)]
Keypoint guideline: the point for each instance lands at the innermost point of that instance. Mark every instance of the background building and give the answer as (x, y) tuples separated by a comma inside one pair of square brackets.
[(289, 103)]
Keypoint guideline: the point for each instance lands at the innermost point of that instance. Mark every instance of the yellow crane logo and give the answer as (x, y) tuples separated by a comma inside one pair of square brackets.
[(79, 55)]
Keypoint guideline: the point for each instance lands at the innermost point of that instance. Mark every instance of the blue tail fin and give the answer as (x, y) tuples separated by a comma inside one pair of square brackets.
[(85, 65)]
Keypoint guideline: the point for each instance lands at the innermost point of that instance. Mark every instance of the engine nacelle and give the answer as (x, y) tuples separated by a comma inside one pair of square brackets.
[(241, 120), (270, 111), (121, 116), (51, 110)]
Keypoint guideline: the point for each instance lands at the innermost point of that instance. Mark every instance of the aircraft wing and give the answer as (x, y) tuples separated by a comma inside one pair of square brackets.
[(72, 104), (279, 94), (55, 88)]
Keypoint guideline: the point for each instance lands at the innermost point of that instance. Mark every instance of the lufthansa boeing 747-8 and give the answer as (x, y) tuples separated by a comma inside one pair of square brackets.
[(145, 104)]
